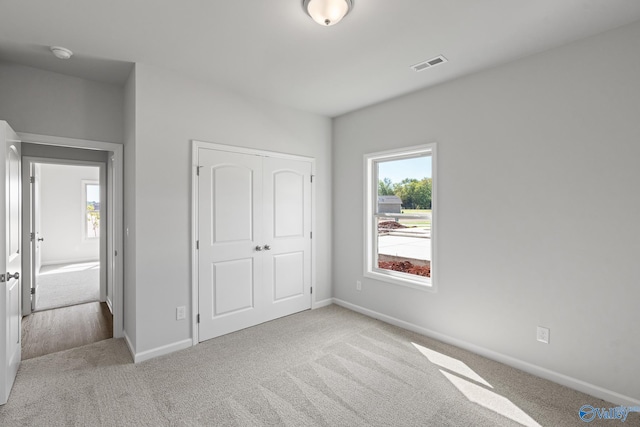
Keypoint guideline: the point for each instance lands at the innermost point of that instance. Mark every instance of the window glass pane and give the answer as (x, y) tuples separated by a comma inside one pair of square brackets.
[(404, 215), (93, 210)]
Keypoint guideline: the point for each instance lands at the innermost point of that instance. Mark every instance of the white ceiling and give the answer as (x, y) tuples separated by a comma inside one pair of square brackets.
[(270, 49)]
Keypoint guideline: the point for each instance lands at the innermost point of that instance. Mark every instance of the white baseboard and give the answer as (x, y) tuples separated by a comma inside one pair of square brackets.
[(129, 346), (322, 303), (574, 383), (161, 351)]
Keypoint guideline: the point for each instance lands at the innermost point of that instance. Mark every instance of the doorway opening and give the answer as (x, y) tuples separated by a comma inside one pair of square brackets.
[(66, 225), (67, 218), (72, 216)]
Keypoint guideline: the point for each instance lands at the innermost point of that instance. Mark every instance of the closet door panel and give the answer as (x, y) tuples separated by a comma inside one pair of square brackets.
[(230, 225), (287, 231)]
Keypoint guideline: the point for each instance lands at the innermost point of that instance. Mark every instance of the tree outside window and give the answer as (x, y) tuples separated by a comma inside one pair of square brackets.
[(92, 197)]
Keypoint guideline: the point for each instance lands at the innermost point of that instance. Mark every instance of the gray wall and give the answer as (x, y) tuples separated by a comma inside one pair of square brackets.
[(538, 208), (171, 111), (130, 208), (62, 214), (46, 103), (63, 153)]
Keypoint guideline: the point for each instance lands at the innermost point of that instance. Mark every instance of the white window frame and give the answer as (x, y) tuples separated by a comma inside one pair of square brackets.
[(371, 178), (85, 184)]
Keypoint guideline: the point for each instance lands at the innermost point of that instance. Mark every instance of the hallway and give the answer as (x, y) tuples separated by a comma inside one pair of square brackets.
[(50, 331)]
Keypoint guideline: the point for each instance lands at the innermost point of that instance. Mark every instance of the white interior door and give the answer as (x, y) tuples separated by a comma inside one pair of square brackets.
[(10, 296), (38, 239), (287, 232), (37, 222), (254, 225), (111, 264), (230, 229)]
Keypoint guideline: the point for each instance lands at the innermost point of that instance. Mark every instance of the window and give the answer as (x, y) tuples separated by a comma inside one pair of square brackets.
[(91, 195), (400, 216)]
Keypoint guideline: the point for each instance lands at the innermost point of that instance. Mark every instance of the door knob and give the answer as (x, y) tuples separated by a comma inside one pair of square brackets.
[(258, 248), (16, 275), (40, 239), (267, 247)]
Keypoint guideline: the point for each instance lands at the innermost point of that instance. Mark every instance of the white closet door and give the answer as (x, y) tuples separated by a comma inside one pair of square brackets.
[(254, 232), (287, 229), (230, 227)]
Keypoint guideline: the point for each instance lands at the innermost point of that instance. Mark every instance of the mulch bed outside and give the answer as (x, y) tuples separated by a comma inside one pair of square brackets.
[(406, 267), (390, 225)]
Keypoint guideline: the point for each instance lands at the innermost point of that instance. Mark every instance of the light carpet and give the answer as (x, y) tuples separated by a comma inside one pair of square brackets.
[(62, 285), (326, 367)]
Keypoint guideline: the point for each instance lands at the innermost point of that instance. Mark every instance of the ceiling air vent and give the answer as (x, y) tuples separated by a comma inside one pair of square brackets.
[(429, 63)]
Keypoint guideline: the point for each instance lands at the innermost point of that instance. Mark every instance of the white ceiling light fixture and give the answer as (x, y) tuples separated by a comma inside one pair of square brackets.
[(327, 12), (61, 52)]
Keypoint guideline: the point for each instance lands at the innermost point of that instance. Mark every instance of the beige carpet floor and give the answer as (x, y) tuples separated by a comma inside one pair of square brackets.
[(62, 285), (327, 367)]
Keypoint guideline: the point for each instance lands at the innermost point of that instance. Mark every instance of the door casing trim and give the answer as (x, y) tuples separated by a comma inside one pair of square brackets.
[(117, 219)]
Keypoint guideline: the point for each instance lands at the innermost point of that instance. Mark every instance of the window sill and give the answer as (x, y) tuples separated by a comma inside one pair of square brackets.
[(401, 279)]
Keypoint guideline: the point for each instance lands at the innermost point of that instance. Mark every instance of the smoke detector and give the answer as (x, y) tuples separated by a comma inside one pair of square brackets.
[(429, 63), (61, 52)]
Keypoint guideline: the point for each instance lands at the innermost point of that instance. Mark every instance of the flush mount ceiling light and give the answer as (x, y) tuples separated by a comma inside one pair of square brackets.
[(327, 12), (61, 52)]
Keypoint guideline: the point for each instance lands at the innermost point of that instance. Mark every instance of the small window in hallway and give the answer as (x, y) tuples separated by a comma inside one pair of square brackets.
[(92, 210)]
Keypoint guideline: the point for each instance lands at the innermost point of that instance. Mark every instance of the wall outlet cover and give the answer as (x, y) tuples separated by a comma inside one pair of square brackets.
[(543, 334)]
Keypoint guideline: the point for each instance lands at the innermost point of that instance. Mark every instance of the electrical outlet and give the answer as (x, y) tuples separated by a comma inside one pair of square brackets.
[(543, 335), (358, 285), (181, 313)]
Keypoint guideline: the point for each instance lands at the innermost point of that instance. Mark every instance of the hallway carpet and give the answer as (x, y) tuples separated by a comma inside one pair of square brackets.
[(62, 285)]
